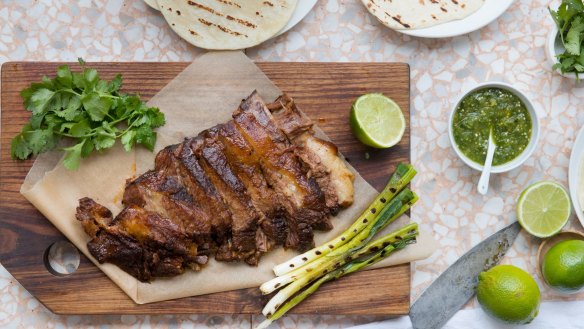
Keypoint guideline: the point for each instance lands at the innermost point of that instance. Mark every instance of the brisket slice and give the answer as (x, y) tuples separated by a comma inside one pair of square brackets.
[(244, 217), (245, 164), (163, 194), (320, 156), (300, 193), (181, 162), (235, 175), (140, 242)]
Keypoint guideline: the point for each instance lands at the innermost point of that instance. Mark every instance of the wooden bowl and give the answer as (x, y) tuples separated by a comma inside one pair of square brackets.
[(547, 244)]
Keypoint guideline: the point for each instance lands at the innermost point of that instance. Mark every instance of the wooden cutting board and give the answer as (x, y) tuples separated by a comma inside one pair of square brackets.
[(325, 91)]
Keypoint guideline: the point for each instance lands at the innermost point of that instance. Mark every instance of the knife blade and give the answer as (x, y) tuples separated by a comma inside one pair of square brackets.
[(458, 283)]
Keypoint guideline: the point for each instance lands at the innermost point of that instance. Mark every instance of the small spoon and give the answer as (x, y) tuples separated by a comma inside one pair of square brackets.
[(483, 186)]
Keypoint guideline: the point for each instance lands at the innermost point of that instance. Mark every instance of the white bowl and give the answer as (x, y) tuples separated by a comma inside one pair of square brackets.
[(555, 47), (520, 159)]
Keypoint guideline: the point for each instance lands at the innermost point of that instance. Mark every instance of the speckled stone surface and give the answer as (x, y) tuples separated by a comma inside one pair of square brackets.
[(510, 49)]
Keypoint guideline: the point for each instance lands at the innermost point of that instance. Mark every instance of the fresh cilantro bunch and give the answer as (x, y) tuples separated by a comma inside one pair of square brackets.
[(570, 21), (90, 111)]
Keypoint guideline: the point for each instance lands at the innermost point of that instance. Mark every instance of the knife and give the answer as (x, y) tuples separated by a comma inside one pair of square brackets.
[(458, 283)]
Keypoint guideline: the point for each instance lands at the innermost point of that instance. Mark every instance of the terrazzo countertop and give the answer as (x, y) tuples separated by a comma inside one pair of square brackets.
[(510, 49)]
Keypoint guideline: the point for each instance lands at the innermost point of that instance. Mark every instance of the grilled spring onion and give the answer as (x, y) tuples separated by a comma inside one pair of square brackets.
[(364, 260), (331, 264), (400, 178), (393, 210)]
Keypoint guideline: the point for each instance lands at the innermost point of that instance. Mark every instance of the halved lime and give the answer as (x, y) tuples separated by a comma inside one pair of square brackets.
[(543, 209), (377, 121)]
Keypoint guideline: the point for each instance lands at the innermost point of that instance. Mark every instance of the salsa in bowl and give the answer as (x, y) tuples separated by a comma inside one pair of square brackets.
[(500, 109)]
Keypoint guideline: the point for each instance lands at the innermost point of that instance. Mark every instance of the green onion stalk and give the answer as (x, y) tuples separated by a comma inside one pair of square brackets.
[(366, 259), (400, 178), (393, 210), (333, 263)]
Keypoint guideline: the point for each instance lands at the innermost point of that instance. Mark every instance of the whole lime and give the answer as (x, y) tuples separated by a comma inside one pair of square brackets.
[(509, 294), (563, 266)]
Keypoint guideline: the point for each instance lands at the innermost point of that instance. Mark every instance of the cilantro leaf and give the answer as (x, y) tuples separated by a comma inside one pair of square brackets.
[(64, 76), (36, 121), (115, 84), (53, 121), (574, 36), (102, 87), (87, 148), (90, 78), (556, 17), (73, 155), (78, 80), (72, 110), (104, 142), (80, 128), (19, 148), (576, 4), (146, 136), (40, 141), (157, 118), (128, 140), (40, 99), (103, 139), (97, 107)]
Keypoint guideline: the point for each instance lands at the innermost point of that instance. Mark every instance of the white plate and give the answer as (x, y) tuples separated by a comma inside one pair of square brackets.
[(574, 173), (490, 11), (302, 9)]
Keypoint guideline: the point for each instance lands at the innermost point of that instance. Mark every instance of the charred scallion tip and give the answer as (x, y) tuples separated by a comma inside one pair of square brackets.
[(401, 177)]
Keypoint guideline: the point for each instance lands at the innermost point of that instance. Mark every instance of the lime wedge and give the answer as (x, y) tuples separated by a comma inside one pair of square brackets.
[(543, 209), (377, 121)]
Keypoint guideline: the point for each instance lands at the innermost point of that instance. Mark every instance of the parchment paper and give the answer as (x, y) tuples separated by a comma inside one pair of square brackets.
[(204, 94)]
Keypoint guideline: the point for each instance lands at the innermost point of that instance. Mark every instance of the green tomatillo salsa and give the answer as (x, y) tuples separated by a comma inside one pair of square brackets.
[(493, 109)]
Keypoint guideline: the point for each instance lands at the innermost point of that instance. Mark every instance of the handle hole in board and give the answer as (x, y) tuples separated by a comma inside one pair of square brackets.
[(61, 258)]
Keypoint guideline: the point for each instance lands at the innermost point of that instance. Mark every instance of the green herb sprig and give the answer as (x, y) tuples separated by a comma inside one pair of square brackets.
[(90, 111), (569, 19)]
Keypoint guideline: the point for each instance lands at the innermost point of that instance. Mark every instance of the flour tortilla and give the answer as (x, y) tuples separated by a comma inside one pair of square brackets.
[(227, 24), (416, 14), (152, 3)]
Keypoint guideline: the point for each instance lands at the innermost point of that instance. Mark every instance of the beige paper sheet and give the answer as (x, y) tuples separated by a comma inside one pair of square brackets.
[(204, 94)]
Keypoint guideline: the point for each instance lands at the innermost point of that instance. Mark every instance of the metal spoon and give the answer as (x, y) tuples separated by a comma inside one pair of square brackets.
[(483, 186)]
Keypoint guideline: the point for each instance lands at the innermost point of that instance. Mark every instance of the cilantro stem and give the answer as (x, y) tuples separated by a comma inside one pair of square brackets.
[(127, 129), (69, 135), (71, 91), (120, 120)]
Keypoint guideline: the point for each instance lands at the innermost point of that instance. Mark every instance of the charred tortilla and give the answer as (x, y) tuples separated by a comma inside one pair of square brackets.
[(227, 24), (415, 14)]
